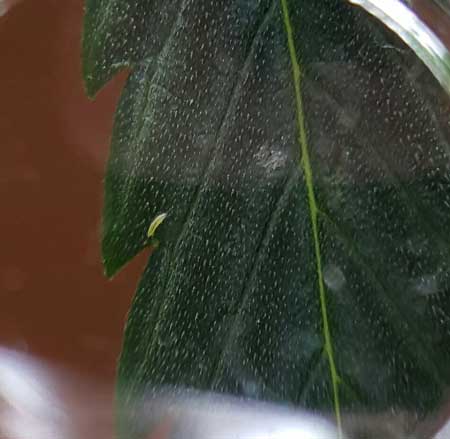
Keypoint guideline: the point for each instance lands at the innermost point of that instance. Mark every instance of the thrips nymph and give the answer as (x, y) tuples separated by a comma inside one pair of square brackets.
[(155, 224)]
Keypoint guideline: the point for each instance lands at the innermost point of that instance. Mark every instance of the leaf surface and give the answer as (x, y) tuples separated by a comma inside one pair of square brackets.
[(233, 298)]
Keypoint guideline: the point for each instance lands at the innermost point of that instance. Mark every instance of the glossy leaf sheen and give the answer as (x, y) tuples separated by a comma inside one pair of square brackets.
[(206, 132)]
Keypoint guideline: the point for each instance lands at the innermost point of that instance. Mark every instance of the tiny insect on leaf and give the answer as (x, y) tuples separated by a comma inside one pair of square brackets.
[(155, 224)]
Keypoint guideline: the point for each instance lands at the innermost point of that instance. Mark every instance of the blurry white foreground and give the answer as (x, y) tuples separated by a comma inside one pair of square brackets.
[(219, 417), (29, 407), (6, 5), (38, 401)]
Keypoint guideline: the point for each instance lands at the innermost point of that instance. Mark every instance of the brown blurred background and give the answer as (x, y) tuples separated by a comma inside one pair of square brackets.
[(55, 303)]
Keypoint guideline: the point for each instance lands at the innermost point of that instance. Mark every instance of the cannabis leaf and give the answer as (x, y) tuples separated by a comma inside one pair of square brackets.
[(304, 172)]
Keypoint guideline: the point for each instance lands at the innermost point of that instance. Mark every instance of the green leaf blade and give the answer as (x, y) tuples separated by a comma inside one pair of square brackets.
[(230, 301), (120, 34)]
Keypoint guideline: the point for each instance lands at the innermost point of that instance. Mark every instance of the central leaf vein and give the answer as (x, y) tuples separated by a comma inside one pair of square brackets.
[(305, 164)]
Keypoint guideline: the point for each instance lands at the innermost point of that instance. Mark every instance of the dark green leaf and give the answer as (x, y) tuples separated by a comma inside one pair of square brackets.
[(208, 131)]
